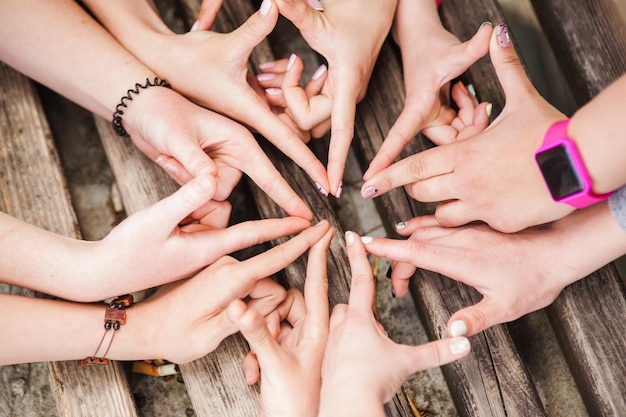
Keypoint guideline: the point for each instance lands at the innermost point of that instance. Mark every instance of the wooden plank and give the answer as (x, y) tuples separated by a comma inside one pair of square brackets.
[(33, 188), (589, 41)]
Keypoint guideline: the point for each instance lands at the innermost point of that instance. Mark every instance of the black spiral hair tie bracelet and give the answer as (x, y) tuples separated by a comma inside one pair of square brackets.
[(119, 109)]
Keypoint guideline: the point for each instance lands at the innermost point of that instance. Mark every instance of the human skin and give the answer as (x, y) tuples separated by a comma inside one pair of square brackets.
[(170, 240), (181, 322), (209, 68), (496, 264), (184, 138)]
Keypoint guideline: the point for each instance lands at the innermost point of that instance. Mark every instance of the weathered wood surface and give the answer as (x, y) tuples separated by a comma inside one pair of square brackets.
[(32, 188), (589, 40)]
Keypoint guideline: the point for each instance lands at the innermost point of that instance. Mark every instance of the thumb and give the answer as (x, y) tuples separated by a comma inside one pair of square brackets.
[(187, 199), (507, 64), (474, 319), (300, 12), (435, 354), (258, 26)]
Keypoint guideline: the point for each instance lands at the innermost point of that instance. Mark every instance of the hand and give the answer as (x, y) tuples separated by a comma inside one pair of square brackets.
[(305, 107), (350, 59), (431, 58), (359, 356), (173, 239), (187, 140), (503, 267), (491, 176), (291, 363), (211, 69), (188, 319)]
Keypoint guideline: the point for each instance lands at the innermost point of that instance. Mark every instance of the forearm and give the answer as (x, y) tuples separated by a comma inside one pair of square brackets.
[(136, 25), (415, 19), (59, 45), (598, 130), (349, 400)]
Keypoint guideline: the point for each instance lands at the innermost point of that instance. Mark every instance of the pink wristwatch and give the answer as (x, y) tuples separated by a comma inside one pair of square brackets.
[(563, 169)]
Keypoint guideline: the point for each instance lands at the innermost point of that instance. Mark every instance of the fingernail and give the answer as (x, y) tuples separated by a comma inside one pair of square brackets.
[(489, 109), (471, 89), (462, 87), (267, 65), (389, 271), (339, 190), (321, 70), (485, 23), (349, 238), (393, 293), (292, 59), (503, 36), (274, 91), (401, 225), (316, 5), (369, 191), (161, 160), (265, 7), (321, 189), (367, 239), (171, 169), (194, 27), (265, 76), (460, 346), (365, 174), (249, 376), (204, 184), (458, 328)]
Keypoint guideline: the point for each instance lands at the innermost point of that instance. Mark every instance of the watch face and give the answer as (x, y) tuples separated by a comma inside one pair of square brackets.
[(559, 173)]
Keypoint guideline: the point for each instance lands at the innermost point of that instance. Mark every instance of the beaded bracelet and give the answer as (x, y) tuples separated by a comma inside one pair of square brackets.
[(114, 318), (117, 115)]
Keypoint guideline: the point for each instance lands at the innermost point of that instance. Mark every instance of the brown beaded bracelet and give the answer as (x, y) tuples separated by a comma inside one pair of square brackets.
[(117, 115), (114, 318)]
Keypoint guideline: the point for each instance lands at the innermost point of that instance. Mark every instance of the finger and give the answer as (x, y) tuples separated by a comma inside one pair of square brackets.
[(316, 83), (453, 213), (316, 283), (411, 120), (266, 296), (434, 354), (257, 27), (337, 316), (466, 104), (299, 13), (192, 158), (206, 16), (278, 66), (507, 65), (254, 328), (407, 227), (254, 232), (251, 368), (474, 319), (277, 258), (400, 279), (341, 134), (429, 163), (362, 289), (292, 309), (174, 169)]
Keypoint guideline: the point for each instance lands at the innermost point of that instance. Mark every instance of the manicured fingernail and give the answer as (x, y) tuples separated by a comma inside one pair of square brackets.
[(460, 346), (485, 23), (161, 160), (458, 328), (367, 239), (249, 376), (489, 109), (389, 271), (369, 191), (292, 60), (274, 91), (194, 27), (401, 225), (349, 238), (503, 36), (365, 174), (471, 89), (321, 189), (171, 169), (267, 65), (321, 70), (265, 76), (339, 190), (316, 5), (393, 292), (265, 7)]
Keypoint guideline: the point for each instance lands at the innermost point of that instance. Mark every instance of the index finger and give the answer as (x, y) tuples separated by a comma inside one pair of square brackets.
[(316, 283), (421, 166), (362, 289), (277, 258)]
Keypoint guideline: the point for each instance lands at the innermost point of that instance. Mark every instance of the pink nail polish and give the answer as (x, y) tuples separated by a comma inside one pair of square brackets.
[(321, 189), (194, 27), (369, 192), (267, 65), (339, 190), (292, 60), (265, 76), (274, 91), (265, 7), (503, 36), (319, 72), (316, 5)]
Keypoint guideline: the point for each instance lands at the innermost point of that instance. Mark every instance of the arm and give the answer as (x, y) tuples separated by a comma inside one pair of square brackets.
[(181, 322)]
